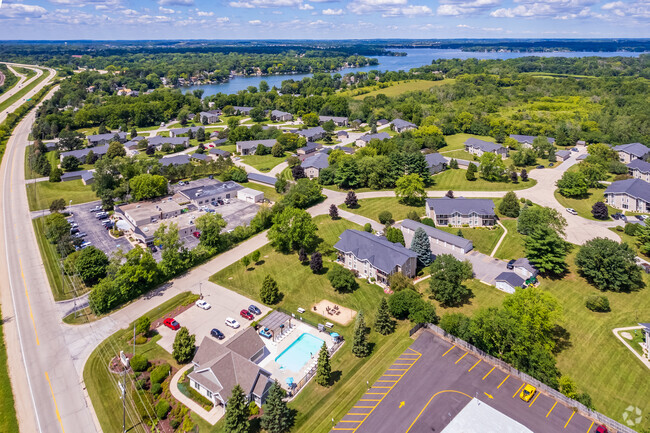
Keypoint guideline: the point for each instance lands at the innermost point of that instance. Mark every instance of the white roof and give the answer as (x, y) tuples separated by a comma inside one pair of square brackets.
[(249, 191), (491, 420)]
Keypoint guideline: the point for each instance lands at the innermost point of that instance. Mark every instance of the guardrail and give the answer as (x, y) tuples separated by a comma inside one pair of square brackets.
[(613, 426)]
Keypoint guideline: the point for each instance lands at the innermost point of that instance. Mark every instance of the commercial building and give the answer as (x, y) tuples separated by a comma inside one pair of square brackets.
[(250, 195), (206, 194)]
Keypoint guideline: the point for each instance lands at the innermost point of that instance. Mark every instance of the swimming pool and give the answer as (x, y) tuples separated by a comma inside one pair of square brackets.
[(299, 352)]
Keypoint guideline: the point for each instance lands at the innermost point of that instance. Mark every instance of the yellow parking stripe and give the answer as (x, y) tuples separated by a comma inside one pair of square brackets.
[(348, 420), (472, 367), (338, 428), (592, 424), (375, 393), (517, 392), (465, 354), (366, 399), (549, 412), (488, 373), (567, 423), (362, 407), (531, 403), (448, 350), (382, 386), (394, 375), (503, 381)]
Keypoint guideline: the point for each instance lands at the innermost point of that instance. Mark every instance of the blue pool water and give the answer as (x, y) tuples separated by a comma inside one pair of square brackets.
[(299, 352)]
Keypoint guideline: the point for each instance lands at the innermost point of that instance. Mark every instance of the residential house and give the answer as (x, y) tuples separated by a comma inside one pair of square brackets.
[(200, 157), (87, 177), (562, 155), (639, 169), (399, 125), (526, 141), (249, 147), (175, 160), (479, 147), (245, 111), (372, 256), (645, 346), (100, 139), (582, 157), (216, 153), (181, 131), (219, 367), (629, 152), (262, 179), (525, 269), (436, 236), (509, 281), (81, 154), (309, 149), (280, 116), (436, 162), (312, 134), (314, 164), (206, 194), (340, 135), (158, 142), (211, 116), (473, 212), (630, 194), (348, 150), (338, 121), (382, 122), (365, 139)]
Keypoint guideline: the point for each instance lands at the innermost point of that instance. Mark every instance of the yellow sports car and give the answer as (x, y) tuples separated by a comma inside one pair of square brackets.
[(528, 392)]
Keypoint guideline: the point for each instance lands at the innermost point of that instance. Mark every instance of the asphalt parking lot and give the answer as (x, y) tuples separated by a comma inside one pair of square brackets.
[(225, 303), (97, 235), (432, 381)]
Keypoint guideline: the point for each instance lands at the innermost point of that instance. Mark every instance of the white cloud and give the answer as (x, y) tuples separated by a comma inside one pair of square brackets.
[(637, 9), (205, 14), (409, 11), (306, 7), (332, 11), (176, 2), (129, 12), (255, 22), (369, 6), (241, 5), (556, 9), (265, 3), (19, 10), (465, 7), (166, 10)]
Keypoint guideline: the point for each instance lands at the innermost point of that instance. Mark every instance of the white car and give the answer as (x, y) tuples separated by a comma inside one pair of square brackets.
[(232, 323), (572, 211), (202, 304)]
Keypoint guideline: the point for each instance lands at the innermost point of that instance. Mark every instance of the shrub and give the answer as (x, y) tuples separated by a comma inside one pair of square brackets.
[(162, 408), (367, 227), (342, 279), (156, 388), (631, 229), (139, 363), (619, 228), (160, 373), (140, 384), (253, 409), (385, 217), (174, 423), (140, 339), (599, 304)]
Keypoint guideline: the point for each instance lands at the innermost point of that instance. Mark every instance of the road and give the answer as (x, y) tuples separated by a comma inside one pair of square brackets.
[(47, 389), (31, 93), (17, 86)]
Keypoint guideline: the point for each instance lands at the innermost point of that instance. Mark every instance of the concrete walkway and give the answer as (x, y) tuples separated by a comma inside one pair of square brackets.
[(616, 331), (211, 417), (503, 236)]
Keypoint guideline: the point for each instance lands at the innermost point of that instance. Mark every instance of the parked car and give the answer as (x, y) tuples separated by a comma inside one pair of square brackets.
[(232, 323), (246, 314), (639, 217), (81, 235), (572, 211), (511, 264), (217, 334), (616, 215), (74, 230), (171, 324), (96, 209), (540, 166), (85, 244), (646, 268), (253, 309), (550, 165), (266, 333), (528, 392), (202, 304), (574, 149), (602, 429), (196, 234)]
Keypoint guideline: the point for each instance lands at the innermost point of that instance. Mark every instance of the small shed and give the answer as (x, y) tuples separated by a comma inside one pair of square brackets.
[(508, 281), (250, 195)]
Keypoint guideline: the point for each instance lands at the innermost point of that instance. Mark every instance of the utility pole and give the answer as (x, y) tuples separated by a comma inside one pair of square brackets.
[(124, 402), (200, 290), (133, 338)]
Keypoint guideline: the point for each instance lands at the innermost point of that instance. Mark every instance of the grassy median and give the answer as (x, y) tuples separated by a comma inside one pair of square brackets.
[(21, 93)]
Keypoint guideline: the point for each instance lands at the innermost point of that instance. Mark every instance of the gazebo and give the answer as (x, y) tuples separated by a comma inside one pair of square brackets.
[(277, 323)]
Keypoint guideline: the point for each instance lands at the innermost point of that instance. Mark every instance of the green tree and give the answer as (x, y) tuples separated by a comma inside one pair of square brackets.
[(360, 341), (237, 412), (643, 239), (277, 417), (470, 174), (509, 206), (398, 281), (341, 279), (257, 114), (609, 265), (303, 194), (245, 261), (532, 217), (277, 150), (410, 189), (57, 205), (255, 256), (492, 167), (56, 227), (546, 250), (573, 184), (420, 245), (542, 146), (200, 135), (91, 265), (324, 369), (269, 292), (143, 325), (383, 323), (147, 186), (310, 119), (210, 225), (292, 229), (115, 149), (394, 235), (457, 324), (446, 282), (385, 217), (70, 163), (524, 157), (173, 259), (184, 345)]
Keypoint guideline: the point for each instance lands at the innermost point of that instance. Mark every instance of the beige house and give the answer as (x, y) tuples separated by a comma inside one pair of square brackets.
[(630, 194), (639, 169), (479, 147), (629, 152), (314, 164), (456, 212)]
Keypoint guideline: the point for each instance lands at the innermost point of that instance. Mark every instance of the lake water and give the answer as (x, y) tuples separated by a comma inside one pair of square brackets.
[(415, 57)]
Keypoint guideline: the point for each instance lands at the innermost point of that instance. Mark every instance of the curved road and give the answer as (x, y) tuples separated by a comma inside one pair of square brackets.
[(16, 87), (31, 93)]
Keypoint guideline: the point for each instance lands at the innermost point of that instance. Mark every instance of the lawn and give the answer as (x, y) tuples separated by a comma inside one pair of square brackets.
[(458, 154), (269, 191), (102, 384), (22, 92), (457, 141), (370, 208), (630, 240), (638, 338), (455, 180), (407, 86), (512, 246), (484, 239), (264, 163), (483, 296), (8, 421), (41, 194), (583, 205)]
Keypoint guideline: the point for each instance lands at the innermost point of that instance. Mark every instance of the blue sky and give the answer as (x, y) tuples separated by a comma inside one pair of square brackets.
[(322, 19)]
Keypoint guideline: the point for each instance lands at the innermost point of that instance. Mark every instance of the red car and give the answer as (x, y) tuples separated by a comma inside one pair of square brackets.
[(601, 429), (171, 324), (196, 234), (246, 314)]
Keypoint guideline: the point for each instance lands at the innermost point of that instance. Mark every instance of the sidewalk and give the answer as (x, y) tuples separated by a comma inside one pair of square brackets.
[(616, 331), (211, 417)]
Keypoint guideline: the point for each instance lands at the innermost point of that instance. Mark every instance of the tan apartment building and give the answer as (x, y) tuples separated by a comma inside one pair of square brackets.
[(472, 212), (630, 194)]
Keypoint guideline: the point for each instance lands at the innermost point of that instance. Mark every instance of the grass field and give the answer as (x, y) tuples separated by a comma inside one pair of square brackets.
[(512, 246), (457, 141), (8, 421), (483, 296), (269, 191), (484, 239), (455, 180), (630, 240), (583, 205), (41, 194), (407, 86), (370, 208), (263, 163), (22, 92)]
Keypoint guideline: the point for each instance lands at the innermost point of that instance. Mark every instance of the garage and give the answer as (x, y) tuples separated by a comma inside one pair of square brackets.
[(250, 195)]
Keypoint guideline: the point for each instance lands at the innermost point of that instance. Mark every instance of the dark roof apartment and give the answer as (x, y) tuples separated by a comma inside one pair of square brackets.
[(377, 250)]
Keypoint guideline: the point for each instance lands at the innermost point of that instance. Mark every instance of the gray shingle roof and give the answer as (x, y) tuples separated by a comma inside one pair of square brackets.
[(219, 152), (399, 123), (199, 156), (485, 146), (582, 157), (435, 233), (529, 138), (159, 141), (98, 150), (278, 113), (378, 136), (311, 132), (261, 178), (107, 136), (317, 161), (220, 141), (252, 144), (434, 159), (178, 131), (511, 278), (563, 153), (244, 110), (381, 253), (464, 206), (175, 160), (639, 164), (525, 263), (636, 188), (336, 119), (636, 149)]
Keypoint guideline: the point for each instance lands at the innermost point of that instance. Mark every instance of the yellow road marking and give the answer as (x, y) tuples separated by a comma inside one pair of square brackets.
[(488, 373), (349, 420), (448, 350), (337, 428), (567, 423), (428, 402), (465, 354), (381, 386), (503, 381), (592, 424), (472, 367), (58, 415), (394, 375), (382, 380), (404, 364), (531, 403), (366, 399), (355, 414), (549, 412), (396, 369), (376, 393), (517, 392), (29, 304), (362, 407)]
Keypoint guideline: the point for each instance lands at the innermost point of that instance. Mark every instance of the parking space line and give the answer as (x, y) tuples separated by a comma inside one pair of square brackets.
[(369, 399), (551, 410), (349, 420), (393, 375), (592, 424), (517, 392), (404, 364), (432, 397), (376, 393), (531, 403), (337, 428), (362, 407), (569, 420), (448, 350), (382, 386), (472, 367), (457, 361), (396, 369), (503, 381), (488, 373)]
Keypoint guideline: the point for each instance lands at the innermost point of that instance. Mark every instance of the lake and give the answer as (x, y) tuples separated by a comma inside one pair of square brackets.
[(415, 57)]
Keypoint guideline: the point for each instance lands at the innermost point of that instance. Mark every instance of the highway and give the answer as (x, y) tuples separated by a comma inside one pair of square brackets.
[(17, 88), (48, 390)]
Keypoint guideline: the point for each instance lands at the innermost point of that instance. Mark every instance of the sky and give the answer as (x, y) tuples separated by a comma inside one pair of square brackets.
[(322, 19)]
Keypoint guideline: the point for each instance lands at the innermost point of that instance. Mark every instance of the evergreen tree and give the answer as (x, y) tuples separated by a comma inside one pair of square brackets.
[(420, 245), (599, 210), (450, 194), (360, 341), (277, 417), (513, 176), (509, 206), (453, 164), (394, 235), (459, 233), (351, 200), (334, 212), (523, 175), (298, 172), (183, 347), (324, 369), (384, 324), (237, 412), (471, 172), (316, 262), (302, 255), (269, 293)]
